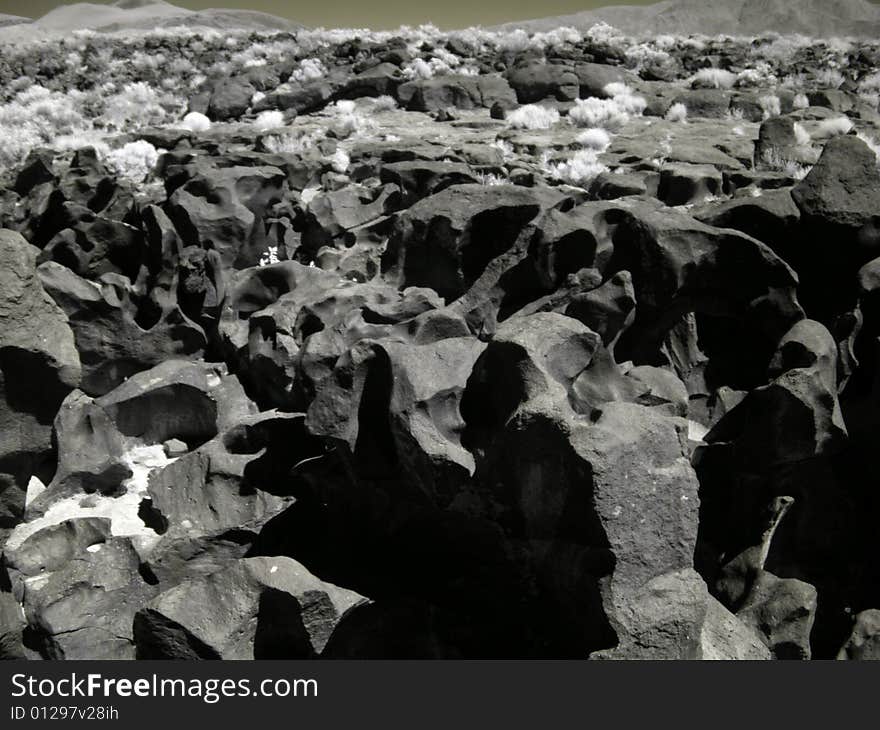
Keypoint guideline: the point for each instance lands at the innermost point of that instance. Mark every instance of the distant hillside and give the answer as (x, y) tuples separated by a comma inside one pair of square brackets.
[(819, 18), (6, 20), (147, 14)]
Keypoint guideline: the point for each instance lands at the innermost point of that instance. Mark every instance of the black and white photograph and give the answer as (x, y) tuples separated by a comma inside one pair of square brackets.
[(454, 331)]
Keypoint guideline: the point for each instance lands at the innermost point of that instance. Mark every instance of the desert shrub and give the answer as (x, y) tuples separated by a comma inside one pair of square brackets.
[(292, 143), (532, 116), (309, 69), (602, 33), (870, 83), (490, 179), (594, 139), (832, 127), (504, 147), (677, 113), (643, 55), (580, 169), (556, 38), (770, 105), (515, 41), (35, 117), (760, 75), (801, 135), (196, 122), (349, 120), (829, 78), (270, 119), (783, 49), (609, 114), (791, 168), (713, 78), (133, 161), (384, 103), (593, 112), (139, 104)]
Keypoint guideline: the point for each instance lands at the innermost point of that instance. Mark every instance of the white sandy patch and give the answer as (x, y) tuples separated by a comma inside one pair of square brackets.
[(122, 511)]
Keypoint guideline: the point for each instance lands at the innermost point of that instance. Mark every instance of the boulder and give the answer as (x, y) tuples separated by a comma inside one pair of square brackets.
[(446, 240), (230, 98), (39, 366), (258, 608), (538, 81), (863, 643), (461, 92), (113, 338)]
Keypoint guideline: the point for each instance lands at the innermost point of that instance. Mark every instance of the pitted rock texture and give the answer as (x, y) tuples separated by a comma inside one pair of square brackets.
[(440, 345)]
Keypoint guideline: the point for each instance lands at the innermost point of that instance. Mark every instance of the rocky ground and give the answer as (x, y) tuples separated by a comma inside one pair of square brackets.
[(420, 344)]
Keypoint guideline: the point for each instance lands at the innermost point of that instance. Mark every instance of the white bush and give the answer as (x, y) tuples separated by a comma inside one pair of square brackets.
[(138, 104), (349, 120), (677, 113), (269, 120), (870, 84), (616, 88), (309, 69), (504, 147), (37, 116), (418, 68), (770, 105), (580, 169), (134, 161), (791, 168), (713, 78), (196, 122), (801, 135), (643, 55), (515, 41), (605, 34), (490, 179), (594, 139), (384, 103), (800, 101), (532, 116), (625, 98), (609, 114), (292, 144), (556, 38), (829, 78), (833, 127)]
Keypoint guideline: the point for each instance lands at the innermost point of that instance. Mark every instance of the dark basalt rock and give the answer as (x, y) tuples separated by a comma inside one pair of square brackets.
[(843, 190), (230, 98), (39, 366), (462, 92), (80, 589), (112, 338), (541, 80), (446, 240), (223, 209), (258, 608), (862, 643), (401, 381)]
